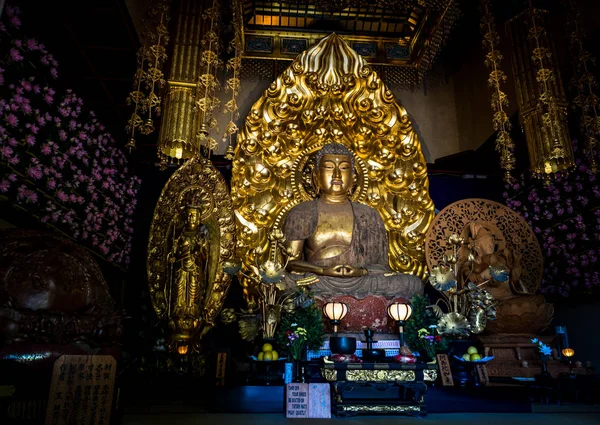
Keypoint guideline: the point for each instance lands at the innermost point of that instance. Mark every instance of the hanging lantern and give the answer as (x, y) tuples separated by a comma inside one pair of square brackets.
[(177, 138), (182, 349), (540, 93)]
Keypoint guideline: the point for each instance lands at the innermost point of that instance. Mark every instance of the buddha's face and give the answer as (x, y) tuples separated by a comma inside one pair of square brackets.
[(193, 218), (335, 174)]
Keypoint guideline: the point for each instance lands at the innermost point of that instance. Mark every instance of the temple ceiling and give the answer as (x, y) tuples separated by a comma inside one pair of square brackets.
[(89, 38), (405, 33)]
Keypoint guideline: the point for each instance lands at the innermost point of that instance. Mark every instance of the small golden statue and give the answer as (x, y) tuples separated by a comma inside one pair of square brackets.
[(344, 243), (498, 253), (192, 239), (188, 257), (487, 258)]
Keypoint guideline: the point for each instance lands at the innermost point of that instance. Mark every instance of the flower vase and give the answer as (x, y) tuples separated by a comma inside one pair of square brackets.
[(298, 371), (298, 364)]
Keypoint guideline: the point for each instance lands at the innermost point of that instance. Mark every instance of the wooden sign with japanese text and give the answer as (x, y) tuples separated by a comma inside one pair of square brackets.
[(81, 391), (445, 371), (221, 368), (296, 397), (482, 374), (319, 400)]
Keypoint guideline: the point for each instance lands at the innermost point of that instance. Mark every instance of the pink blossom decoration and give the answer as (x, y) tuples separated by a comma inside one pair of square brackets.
[(4, 185), (12, 120), (15, 55), (55, 150)]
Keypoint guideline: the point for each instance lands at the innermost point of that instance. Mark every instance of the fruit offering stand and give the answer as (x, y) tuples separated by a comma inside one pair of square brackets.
[(378, 388), (267, 367)]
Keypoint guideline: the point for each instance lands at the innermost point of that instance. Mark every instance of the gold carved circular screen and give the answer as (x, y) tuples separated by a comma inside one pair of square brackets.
[(509, 228), (329, 94)]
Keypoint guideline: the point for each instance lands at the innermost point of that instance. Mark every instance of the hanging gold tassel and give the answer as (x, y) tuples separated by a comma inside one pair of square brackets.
[(208, 83), (501, 122), (584, 82), (234, 83), (149, 78)]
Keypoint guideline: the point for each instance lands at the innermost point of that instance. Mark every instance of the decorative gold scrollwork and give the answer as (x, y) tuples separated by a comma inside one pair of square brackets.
[(380, 408), (380, 375), (329, 374), (430, 375)]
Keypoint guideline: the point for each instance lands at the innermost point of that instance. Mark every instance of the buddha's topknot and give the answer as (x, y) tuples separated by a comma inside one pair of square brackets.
[(333, 149)]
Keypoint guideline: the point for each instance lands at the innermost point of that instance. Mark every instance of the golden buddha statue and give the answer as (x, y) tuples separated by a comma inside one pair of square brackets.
[(330, 94), (188, 257), (343, 243)]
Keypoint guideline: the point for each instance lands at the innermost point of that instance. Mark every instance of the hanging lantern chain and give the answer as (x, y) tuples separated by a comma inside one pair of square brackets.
[(149, 76), (208, 83), (501, 123), (584, 82)]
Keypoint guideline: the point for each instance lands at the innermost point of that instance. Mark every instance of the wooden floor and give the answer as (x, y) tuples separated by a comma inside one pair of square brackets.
[(590, 418)]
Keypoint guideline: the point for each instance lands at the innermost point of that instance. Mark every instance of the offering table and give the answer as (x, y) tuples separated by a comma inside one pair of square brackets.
[(378, 388)]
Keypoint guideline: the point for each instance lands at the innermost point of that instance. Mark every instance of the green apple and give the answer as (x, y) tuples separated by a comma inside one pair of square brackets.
[(466, 357), (472, 350)]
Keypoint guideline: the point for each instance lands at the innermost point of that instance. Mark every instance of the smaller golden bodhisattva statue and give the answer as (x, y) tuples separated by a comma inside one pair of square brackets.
[(487, 258), (188, 257)]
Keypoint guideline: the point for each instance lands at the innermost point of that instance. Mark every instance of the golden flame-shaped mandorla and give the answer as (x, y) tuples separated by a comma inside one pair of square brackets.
[(330, 94)]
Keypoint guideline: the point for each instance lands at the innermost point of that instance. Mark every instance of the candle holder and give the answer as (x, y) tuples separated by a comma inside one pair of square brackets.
[(371, 354)]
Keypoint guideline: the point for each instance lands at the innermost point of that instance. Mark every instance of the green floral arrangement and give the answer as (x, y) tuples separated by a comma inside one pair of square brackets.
[(306, 323), (420, 328)]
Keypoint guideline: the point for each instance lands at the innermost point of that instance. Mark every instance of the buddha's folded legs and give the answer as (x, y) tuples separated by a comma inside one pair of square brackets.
[(387, 284)]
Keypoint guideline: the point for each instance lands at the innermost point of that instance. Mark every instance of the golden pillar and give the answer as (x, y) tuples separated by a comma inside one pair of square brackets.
[(540, 92), (177, 140)]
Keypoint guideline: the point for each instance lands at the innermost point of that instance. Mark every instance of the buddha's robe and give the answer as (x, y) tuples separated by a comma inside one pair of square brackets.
[(368, 249)]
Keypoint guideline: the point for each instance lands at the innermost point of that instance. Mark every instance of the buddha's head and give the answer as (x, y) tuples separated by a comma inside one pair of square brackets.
[(192, 215), (334, 170)]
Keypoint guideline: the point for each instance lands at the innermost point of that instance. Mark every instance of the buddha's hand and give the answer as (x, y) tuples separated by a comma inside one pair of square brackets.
[(344, 270), (355, 271)]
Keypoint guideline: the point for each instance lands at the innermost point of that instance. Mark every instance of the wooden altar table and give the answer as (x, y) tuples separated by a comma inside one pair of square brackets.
[(378, 388)]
